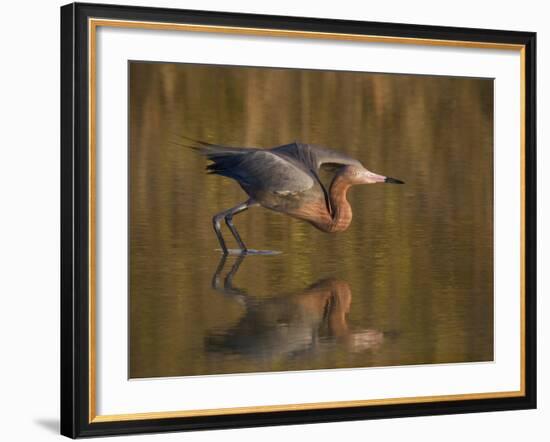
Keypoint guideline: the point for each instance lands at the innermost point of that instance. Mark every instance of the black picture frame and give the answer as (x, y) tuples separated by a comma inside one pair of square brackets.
[(75, 220)]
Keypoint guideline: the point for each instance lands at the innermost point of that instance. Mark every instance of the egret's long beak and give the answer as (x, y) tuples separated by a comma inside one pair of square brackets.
[(393, 180), (371, 177)]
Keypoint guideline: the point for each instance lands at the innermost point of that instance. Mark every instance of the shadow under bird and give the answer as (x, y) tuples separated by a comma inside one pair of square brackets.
[(286, 179)]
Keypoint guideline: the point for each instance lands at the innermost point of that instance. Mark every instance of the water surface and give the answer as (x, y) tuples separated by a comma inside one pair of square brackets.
[(410, 282)]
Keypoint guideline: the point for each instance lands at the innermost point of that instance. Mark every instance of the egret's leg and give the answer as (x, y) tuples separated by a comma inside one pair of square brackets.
[(229, 221), (216, 221)]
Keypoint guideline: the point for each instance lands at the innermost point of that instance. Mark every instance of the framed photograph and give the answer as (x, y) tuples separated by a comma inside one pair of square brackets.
[(276, 220)]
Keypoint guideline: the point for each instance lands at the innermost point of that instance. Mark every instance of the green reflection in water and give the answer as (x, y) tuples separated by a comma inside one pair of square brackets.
[(411, 280)]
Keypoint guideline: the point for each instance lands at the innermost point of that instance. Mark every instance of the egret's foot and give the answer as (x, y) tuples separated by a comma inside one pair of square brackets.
[(249, 252)]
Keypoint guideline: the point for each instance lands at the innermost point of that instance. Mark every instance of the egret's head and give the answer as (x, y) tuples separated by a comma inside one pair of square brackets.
[(360, 175)]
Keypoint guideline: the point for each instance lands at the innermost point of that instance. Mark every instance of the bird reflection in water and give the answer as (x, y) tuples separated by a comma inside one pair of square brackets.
[(290, 325)]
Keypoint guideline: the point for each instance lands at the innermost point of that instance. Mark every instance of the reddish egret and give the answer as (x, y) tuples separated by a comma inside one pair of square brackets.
[(286, 179)]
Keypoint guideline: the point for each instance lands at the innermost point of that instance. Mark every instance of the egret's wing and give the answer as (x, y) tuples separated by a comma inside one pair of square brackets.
[(312, 158), (260, 170)]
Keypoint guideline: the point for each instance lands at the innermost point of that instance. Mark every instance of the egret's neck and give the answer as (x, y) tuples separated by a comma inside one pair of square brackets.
[(341, 209)]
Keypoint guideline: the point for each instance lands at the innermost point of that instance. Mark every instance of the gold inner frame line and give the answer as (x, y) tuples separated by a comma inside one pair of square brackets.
[(93, 24)]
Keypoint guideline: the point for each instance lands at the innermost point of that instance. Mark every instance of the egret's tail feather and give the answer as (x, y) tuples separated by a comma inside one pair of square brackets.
[(225, 160), (210, 150)]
